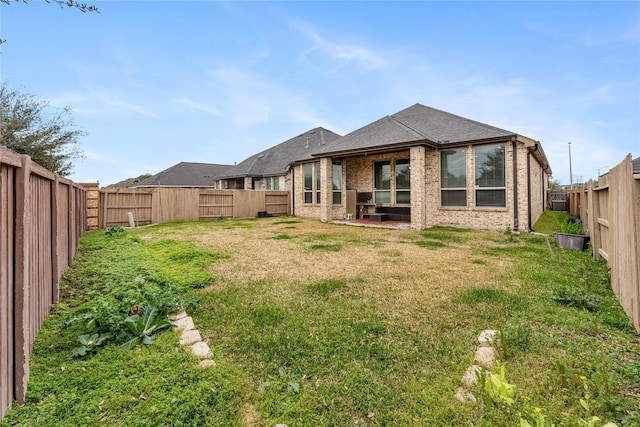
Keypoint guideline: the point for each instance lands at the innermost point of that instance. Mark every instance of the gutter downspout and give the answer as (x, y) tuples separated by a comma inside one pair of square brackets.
[(293, 190), (514, 155), (529, 190)]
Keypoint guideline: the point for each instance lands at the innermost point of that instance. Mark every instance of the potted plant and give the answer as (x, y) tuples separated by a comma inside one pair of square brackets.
[(572, 236)]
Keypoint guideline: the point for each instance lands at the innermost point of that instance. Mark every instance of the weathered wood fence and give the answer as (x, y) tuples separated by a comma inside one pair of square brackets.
[(164, 204), (610, 211), (42, 217)]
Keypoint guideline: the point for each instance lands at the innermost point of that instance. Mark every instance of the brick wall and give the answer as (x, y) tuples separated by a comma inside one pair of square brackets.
[(358, 174)]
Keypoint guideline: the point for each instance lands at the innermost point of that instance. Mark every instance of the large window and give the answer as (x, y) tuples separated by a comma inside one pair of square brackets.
[(490, 176), (311, 172), (453, 177), (317, 166), (308, 182), (382, 174), (392, 178), (403, 181), (336, 180)]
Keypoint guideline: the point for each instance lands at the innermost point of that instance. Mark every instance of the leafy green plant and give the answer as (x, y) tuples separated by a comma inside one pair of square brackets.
[(515, 336), (539, 419), (115, 231), (285, 380), (497, 388), (89, 343), (510, 235), (144, 328)]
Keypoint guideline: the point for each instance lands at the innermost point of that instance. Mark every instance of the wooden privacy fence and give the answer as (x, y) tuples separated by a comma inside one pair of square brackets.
[(164, 204), (611, 213), (42, 217)]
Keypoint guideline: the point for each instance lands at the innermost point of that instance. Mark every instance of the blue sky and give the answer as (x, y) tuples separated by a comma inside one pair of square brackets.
[(154, 83)]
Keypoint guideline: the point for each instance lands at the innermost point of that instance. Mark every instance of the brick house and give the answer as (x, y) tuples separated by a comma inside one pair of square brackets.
[(269, 169), (185, 174), (427, 167)]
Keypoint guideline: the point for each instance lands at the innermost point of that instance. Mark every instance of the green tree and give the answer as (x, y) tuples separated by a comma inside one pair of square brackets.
[(29, 126), (83, 7)]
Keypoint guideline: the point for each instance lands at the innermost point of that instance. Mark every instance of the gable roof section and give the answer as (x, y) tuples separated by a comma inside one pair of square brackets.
[(186, 174), (274, 161), (417, 124)]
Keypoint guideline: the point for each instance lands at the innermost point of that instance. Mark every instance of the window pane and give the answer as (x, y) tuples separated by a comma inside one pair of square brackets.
[(491, 198), (337, 198), (383, 196), (453, 168), (268, 183), (308, 177), (490, 168), (383, 175), (317, 197), (317, 166), (403, 196), (403, 175), (453, 197), (231, 184), (337, 176), (276, 183), (308, 197)]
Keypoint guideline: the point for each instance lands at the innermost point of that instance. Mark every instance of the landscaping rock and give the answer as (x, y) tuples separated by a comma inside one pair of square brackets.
[(185, 323), (177, 315), (465, 396), (207, 363), (201, 350), (488, 338), (190, 337), (486, 356), (470, 378)]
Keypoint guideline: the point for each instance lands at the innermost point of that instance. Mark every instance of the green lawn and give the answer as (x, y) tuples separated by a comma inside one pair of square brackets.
[(321, 324)]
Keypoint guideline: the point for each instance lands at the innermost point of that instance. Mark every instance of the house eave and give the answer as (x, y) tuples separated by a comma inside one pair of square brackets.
[(374, 150)]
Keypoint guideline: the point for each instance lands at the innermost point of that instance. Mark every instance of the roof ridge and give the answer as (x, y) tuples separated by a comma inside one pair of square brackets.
[(458, 116), (407, 127)]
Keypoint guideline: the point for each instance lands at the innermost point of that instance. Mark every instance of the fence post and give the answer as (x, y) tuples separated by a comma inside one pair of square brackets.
[(22, 292), (56, 268), (592, 225)]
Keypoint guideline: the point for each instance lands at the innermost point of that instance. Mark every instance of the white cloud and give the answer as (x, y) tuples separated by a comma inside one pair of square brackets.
[(198, 106), (342, 53)]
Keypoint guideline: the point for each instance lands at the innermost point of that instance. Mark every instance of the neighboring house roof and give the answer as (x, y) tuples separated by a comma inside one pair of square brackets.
[(636, 165), (186, 174), (274, 161), (416, 124)]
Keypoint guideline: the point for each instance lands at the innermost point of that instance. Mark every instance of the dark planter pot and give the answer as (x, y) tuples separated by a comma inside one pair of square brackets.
[(575, 242)]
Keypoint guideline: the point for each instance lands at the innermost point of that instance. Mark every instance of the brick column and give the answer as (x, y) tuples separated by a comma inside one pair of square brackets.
[(418, 188), (326, 192)]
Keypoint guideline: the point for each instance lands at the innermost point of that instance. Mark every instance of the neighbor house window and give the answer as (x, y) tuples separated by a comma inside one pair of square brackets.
[(308, 182), (491, 188), (336, 173), (453, 177), (403, 181), (231, 184), (273, 183), (382, 191)]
